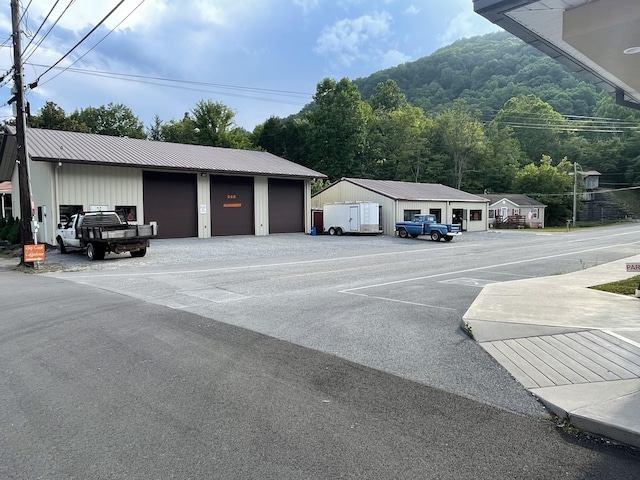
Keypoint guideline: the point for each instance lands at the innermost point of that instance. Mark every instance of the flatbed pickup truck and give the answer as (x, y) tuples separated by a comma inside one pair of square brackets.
[(426, 224), (103, 232)]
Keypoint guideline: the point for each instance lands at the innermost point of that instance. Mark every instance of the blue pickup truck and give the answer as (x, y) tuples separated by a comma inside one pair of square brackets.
[(426, 224)]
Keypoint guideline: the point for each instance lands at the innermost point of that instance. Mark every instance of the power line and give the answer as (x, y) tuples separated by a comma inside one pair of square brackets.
[(81, 41), (48, 31), (254, 93), (97, 43)]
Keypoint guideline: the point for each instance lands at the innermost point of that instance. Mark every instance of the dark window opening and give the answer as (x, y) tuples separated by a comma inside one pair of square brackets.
[(127, 213), (408, 214)]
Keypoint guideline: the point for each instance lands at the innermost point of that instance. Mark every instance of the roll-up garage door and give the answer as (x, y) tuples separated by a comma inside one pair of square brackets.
[(286, 206), (171, 200), (232, 210)]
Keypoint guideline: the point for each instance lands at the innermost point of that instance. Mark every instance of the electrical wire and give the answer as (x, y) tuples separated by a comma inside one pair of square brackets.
[(25, 59), (96, 44), (81, 41), (149, 79)]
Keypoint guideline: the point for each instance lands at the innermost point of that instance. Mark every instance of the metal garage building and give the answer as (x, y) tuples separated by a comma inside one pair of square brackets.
[(189, 190), (401, 200)]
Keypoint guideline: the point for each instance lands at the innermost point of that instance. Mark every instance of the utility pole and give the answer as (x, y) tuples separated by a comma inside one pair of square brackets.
[(26, 201)]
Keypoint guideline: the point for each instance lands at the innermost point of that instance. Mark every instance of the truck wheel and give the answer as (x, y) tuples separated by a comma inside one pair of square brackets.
[(95, 251), (63, 249), (139, 253), (338, 231), (435, 236), (332, 231), (402, 232)]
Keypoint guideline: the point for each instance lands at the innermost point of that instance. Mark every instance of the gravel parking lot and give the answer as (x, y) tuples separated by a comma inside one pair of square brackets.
[(194, 251)]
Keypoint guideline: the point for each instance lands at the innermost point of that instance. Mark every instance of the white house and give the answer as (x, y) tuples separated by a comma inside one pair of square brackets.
[(505, 206)]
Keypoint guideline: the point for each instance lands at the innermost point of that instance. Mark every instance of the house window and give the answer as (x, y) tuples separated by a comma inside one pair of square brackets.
[(492, 214), (127, 213), (475, 215), (516, 211), (408, 214), (533, 213), (67, 210)]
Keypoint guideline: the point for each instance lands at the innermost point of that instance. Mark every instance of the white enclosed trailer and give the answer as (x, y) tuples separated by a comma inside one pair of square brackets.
[(351, 217)]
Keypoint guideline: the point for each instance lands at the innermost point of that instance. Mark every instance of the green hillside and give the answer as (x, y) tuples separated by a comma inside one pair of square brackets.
[(486, 71)]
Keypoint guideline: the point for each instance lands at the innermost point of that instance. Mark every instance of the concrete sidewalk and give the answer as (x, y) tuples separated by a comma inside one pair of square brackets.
[(575, 348)]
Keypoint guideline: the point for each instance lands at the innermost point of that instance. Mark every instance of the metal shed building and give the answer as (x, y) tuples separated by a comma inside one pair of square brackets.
[(189, 190), (400, 200)]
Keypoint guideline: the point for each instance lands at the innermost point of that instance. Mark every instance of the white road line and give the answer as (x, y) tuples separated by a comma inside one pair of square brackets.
[(400, 301), (488, 267)]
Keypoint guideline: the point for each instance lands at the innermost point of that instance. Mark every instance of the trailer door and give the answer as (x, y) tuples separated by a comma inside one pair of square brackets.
[(354, 219)]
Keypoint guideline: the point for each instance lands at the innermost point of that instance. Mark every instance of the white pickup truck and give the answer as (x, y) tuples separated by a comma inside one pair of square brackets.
[(103, 232)]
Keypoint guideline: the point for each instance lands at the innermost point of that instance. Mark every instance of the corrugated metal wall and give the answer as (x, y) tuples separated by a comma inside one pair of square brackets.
[(100, 185)]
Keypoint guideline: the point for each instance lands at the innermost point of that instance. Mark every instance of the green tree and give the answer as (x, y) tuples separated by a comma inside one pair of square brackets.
[(337, 129), (550, 185), (398, 143), (462, 137), (536, 125), (209, 123), (501, 162), (183, 131), (52, 117), (388, 97), (155, 129), (115, 119)]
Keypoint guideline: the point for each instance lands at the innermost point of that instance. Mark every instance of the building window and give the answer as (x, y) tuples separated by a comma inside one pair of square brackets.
[(475, 215), (408, 214), (492, 214), (67, 210), (128, 213), (437, 212), (533, 213)]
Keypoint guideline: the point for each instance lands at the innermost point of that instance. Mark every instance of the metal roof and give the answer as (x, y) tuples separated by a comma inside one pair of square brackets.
[(519, 200), (74, 147), (415, 191)]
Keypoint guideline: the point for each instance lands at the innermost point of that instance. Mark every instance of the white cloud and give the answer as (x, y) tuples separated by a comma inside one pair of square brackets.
[(349, 40), (412, 10), (465, 24), (393, 58)]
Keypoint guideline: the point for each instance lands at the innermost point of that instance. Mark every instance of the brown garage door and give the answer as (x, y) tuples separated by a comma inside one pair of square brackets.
[(171, 200), (286, 206), (232, 205)]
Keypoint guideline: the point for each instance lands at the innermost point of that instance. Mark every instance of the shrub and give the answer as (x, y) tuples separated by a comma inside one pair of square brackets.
[(7, 228), (15, 234)]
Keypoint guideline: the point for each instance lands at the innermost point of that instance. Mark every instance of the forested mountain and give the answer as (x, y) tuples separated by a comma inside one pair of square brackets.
[(486, 71)]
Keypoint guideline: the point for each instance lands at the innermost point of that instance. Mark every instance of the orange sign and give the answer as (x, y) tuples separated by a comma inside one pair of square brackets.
[(34, 253)]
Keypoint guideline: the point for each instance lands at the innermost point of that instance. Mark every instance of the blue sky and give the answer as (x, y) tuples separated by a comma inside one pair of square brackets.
[(259, 57)]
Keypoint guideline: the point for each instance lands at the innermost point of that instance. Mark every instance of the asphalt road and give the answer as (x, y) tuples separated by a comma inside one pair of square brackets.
[(282, 357)]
